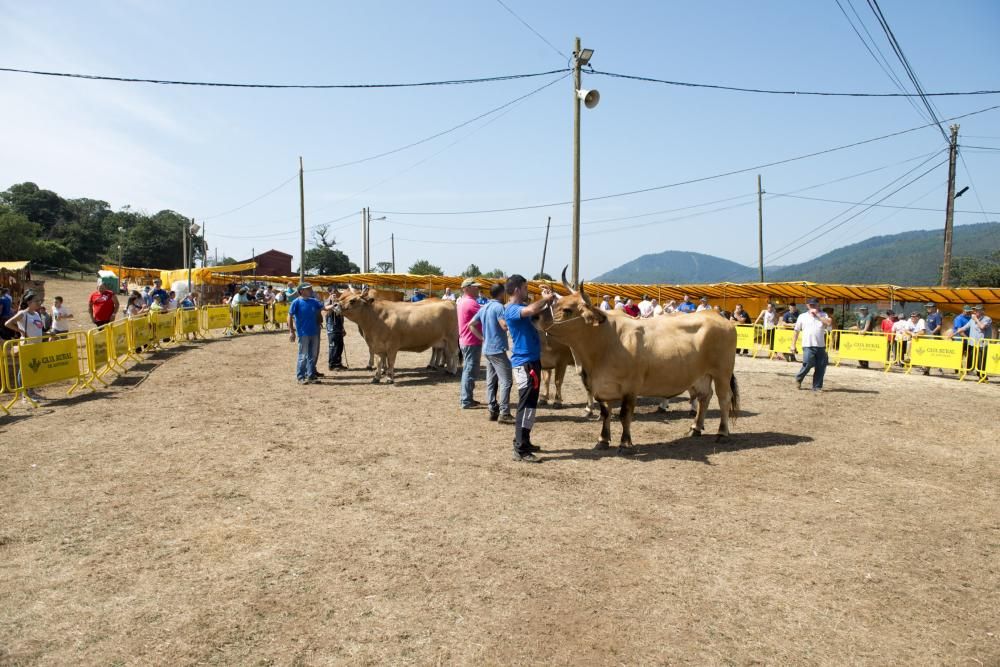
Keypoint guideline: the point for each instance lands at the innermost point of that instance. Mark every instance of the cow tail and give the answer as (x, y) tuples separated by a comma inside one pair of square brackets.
[(734, 405)]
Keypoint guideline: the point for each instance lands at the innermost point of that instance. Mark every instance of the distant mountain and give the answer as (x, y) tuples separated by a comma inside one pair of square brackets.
[(909, 258), (674, 266)]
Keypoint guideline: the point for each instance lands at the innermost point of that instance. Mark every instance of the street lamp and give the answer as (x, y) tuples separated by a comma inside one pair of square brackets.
[(590, 99), (189, 248), (121, 246)]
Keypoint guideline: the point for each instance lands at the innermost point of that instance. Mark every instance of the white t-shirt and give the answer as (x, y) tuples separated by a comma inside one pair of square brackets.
[(31, 324), (812, 329), (770, 319), (902, 328), (645, 309), (605, 305), (658, 310), (59, 324), (703, 306)]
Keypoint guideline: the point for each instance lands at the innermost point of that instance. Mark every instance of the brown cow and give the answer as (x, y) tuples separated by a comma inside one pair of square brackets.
[(624, 358), (390, 327)]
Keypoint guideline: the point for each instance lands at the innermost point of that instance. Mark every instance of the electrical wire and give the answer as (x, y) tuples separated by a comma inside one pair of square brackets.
[(766, 91), (982, 148), (537, 34), (252, 201), (693, 180), (438, 134), (975, 190), (855, 203), (287, 234), (319, 86)]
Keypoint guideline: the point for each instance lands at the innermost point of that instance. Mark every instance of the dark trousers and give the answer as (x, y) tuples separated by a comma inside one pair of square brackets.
[(814, 358), (528, 378), (336, 341)]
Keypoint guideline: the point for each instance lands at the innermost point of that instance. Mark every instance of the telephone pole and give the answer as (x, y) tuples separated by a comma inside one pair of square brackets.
[(364, 240), (576, 163), (302, 225), (949, 214), (545, 248), (760, 228), (392, 240)]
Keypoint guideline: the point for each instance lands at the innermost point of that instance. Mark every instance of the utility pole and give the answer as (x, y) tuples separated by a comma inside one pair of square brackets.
[(576, 162), (364, 240), (184, 243), (189, 258), (392, 239), (204, 245), (302, 225), (253, 252), (949, 214), (545, 248), (760, 228)]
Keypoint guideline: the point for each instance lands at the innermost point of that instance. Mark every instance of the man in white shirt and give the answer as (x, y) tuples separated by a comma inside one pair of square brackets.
[(449, 295), (813, 325), (657, 308), (645, 307), (619, 303), (606, 302), (703, 304)]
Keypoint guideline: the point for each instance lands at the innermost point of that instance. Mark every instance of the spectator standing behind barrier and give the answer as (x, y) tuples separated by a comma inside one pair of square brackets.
[(813, 325), (768, 319), (606, 303), (703, 304), (619, 303), (933, 320), (740, 316), (525, 360), (334, 331), (103, 305), (472, 347), (27, 322), (449, 295), (60, 317), (980, 329), (788, 320), (865, 323), (159, 291), (686, 306), (900, 332), (6, 312), (303, 322), (489, 326), (630, 308), (645, 307)]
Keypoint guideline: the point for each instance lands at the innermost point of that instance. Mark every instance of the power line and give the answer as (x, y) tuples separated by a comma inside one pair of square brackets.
[(981, 148), (906, 208), (289, 233), (252, 201), (693, 180), (319, 86), (537, 34), (766, 91), (975, 190), (438, 134)]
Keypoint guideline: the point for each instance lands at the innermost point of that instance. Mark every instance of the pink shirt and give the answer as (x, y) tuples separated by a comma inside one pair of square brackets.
[(467, 309)]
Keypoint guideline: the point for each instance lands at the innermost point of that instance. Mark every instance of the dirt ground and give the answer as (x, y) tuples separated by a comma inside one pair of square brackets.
[(207, 509)]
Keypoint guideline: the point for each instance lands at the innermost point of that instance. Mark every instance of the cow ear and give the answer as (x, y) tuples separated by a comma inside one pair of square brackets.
[(593, 316)]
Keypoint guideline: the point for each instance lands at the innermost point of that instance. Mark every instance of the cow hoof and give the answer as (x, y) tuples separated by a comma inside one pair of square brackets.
[(390, 381), (369, 368), (722, 437), (661, 410), (693, 433), (374, 380), (626, 450), (601, 446), (543, 401), (557, 405)]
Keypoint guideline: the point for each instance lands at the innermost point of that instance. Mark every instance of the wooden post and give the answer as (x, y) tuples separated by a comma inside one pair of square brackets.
[(760, 228), (576, 163), (949, 214), (302, 225), (364, 241), (545, 248), (392, 240)]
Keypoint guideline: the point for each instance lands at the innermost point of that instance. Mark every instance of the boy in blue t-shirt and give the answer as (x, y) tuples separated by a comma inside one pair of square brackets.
[(526, 361)]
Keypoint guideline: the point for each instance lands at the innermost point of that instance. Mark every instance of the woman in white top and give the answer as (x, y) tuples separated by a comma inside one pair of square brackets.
[(769, 317), (28, 320)]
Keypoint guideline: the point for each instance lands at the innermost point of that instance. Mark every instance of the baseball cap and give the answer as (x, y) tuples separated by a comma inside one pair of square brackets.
[(966, 309), (862, 307), (980, 306), (930, 305), (470, 282), (914, 314), (812, 302), (617, 298), (303, 286), (243, 289)]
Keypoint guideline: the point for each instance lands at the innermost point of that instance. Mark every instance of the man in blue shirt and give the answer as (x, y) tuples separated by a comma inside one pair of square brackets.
[(933, 320), (6, 312), (525, 360), (686, 306), (303, 320), (489, 326), (158, 291)]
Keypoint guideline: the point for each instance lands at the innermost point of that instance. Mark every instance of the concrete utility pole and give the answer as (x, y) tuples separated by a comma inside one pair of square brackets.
[(392, 240), (949, 214), (302, 224), (364, 240), (760, 228), (545, 248)]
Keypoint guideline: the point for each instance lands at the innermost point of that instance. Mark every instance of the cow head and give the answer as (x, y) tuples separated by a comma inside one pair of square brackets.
[(354, 301), (576, 306)]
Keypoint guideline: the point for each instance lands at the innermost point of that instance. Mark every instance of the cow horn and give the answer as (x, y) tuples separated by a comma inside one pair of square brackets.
[(566, 282), (584, 295)]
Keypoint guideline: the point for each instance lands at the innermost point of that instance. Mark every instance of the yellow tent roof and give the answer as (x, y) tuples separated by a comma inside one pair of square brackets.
[(14, 266)]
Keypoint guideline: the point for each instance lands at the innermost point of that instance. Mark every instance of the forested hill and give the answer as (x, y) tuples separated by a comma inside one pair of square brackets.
[(909, 258)]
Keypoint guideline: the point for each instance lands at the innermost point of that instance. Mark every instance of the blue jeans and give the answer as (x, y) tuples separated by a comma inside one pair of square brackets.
[(498, 375), (817, 359), (471, 355), (308, 353)]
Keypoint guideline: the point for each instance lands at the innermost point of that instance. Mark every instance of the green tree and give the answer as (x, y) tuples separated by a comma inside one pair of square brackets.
[(541, 276), (471, 272), (323, 259), (976, 271), (424, 268), (383, 267), (495, 273), (156, 241), (18, 236), (42, 207)]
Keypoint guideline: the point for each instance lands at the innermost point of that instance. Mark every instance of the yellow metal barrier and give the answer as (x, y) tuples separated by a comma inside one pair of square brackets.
[(987, 360), (863, 346), (216, 317), (35, 362), (937, 352), (280, 313), (140, 334), (163, 325), (187, 320), (783, 342), (98, 356), (118, 335), (746, 337), (251, 316)]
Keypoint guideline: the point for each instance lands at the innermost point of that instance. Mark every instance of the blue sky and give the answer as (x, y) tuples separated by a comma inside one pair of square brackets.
[(205, 151)]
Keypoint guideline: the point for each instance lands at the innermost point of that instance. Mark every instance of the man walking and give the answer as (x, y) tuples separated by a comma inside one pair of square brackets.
[(525, 360), (812, 324), (303, 321), (334, 331), (489, 326), (472, 347)]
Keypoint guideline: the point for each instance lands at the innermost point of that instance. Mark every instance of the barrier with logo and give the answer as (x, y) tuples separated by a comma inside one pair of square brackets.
[(140, 334), (937, 352), (216, 317), (783, 342), (280, 315), (747, 337), (35, 362), (859, 346), (99, 355), (251, 316), (188, 321), (987, 360), (163, 325), (118, 335)]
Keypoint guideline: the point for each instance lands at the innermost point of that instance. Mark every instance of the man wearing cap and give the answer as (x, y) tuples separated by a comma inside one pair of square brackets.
[(472, 347), (703, 304), (933, 319), (606, 303), (619, 303), (914, 328), (979, 329), (303, 321), (864, 325), (813, 325)]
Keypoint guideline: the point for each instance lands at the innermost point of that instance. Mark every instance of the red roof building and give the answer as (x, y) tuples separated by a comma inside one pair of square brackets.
[(272, 263)]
